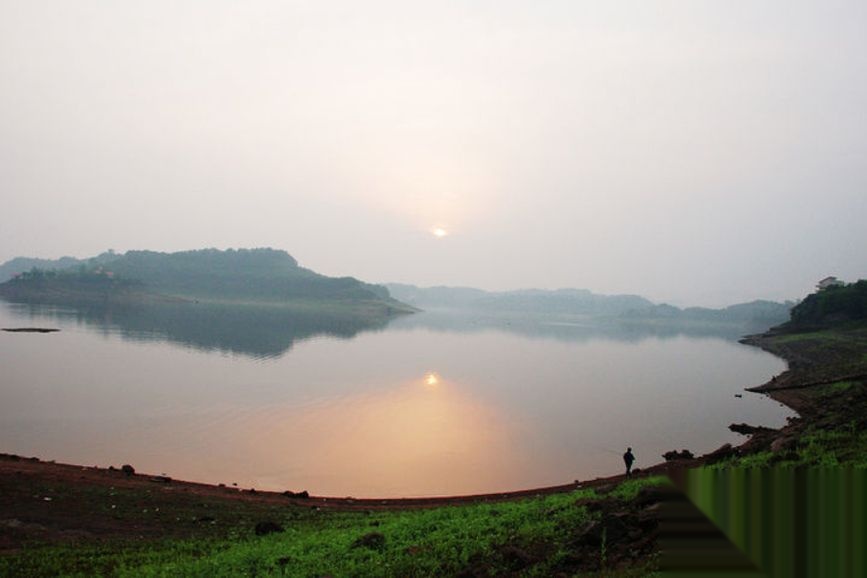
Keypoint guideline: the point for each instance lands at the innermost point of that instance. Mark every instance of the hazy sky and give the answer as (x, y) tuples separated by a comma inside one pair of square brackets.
[(693, 152)]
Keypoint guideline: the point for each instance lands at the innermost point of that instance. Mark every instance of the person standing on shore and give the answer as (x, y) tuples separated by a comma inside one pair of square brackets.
[(628, 458)]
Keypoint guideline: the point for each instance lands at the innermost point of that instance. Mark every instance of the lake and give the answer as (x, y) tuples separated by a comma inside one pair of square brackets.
[(429, 404)]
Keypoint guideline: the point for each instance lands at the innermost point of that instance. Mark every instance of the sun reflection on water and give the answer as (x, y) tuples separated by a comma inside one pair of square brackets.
[(409, 440)]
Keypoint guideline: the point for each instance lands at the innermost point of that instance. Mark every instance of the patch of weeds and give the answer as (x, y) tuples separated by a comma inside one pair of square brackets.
[(629, 489), (603, 550), (818, 336), (845, 445), (757, 460), (837, 388)]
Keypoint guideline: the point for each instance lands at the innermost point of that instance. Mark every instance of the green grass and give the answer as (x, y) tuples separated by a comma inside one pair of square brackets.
[(629, 489), (418, 542), (827, 392), (837, 387), (843, 446), (826, 335), (844, 336), (757, 460)]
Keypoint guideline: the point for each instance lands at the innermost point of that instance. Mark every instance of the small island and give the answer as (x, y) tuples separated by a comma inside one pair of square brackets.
[(261, 277)]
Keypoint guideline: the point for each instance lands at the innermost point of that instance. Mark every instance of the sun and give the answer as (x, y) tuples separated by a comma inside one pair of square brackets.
[(439, 232), (431, 379)]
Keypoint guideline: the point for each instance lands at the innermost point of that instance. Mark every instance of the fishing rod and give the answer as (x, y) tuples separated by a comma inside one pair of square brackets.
[(607, 450)]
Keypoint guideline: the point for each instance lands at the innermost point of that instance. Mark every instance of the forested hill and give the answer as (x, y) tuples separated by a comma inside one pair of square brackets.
[(260, 275), (830, 306)]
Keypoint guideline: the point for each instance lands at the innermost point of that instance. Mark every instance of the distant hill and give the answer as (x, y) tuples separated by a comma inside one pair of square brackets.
[(757, 313), (584, 303), (455, 297), (534, 301), (243, 275)]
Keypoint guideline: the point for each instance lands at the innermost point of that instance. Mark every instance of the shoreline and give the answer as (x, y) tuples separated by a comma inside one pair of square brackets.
[(660, 468), (54, 503), (115, 477)]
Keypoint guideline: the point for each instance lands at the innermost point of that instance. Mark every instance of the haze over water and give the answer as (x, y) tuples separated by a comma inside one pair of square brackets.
[(423, 406)]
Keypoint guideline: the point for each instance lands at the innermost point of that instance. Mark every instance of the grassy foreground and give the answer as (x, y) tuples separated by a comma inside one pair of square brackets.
[(540, 536)]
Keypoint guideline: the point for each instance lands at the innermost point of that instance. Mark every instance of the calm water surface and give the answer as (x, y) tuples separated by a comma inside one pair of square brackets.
[(429, 404)]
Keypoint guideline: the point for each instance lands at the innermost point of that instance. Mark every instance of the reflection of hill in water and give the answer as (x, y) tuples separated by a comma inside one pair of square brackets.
[(264, 332), (570, 328), (253, 330)]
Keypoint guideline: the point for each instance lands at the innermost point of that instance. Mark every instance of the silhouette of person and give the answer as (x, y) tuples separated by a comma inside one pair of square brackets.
[(628, 458)]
